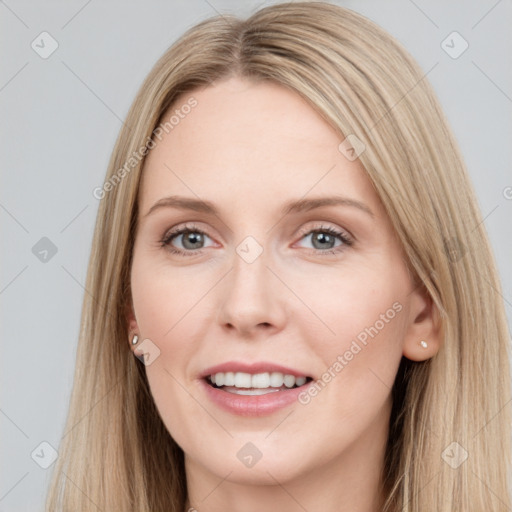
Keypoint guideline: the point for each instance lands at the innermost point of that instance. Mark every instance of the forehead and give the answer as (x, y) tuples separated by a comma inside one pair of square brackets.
[(249, 144)]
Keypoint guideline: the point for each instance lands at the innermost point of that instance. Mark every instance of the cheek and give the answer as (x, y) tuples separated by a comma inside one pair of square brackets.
[(361, 345), (164, 296), (167, 304), (354, 302), (171, 314)]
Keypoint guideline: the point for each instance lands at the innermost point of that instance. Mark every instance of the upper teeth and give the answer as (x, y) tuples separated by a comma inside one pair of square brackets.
[(258, 380)]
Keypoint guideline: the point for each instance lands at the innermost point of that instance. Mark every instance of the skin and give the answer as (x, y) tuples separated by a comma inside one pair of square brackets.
[(249, 148)]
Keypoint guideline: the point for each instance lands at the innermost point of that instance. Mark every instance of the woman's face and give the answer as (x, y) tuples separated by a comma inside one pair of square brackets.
[(268, 281)]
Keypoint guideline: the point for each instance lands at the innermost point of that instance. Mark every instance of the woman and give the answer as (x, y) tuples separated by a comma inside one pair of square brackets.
[(289, 245)]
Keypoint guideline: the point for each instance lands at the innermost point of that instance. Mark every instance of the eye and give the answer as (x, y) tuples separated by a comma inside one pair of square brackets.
[(324, 238), (192, 240)]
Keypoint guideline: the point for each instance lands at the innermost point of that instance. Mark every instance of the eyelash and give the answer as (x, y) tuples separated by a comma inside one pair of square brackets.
[(346, 240)]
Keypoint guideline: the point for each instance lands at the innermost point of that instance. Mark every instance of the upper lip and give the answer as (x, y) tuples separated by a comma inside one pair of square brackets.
[(253, 368)]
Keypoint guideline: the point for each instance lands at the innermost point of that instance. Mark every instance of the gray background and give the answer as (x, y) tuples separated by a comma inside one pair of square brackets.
[(61, 116)]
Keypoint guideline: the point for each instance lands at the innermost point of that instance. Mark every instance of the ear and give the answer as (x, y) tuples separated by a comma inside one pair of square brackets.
[(423, 325), (133, 328)]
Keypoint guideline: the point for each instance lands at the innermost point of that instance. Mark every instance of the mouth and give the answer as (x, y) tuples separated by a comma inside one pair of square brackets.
[(254, 384), (255, 388)]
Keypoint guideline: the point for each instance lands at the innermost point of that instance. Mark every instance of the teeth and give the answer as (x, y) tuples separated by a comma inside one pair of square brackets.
[(289, 381), (300, 381), (276, 379), (242, 380), (229, 379), (243, 391), (257, 381), (260, 380)]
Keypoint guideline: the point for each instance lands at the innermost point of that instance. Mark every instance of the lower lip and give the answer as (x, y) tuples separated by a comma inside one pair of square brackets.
[(252, 405)]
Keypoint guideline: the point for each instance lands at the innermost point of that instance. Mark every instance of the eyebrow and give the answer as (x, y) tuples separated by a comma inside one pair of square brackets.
[(296, 206)]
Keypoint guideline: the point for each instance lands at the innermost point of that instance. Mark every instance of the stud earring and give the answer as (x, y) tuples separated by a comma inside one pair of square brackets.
[(135, 339), (424, 344)]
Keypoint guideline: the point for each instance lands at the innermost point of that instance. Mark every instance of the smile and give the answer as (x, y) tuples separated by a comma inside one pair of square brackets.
[(241, 383), (253, 389)]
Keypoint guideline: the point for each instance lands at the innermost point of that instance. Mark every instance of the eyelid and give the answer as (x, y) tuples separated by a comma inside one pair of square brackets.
[(324, 226)]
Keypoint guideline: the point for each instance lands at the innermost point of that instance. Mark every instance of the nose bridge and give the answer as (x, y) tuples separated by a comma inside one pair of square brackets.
[(249, 279), (252, 260)]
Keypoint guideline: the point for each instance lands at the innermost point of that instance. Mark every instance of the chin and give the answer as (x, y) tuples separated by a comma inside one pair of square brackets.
[(247, 464)]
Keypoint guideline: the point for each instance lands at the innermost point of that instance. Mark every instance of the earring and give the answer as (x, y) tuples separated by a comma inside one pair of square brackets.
[(424, 344), (135, 339)]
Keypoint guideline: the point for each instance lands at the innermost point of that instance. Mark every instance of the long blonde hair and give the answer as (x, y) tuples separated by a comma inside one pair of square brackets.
[(449, 441)]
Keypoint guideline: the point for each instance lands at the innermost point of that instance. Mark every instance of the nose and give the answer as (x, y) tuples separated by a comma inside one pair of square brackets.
[(252, 300)]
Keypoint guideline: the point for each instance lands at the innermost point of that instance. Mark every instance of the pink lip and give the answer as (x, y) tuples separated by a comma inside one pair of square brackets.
[(251, 405), (258, 367)]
